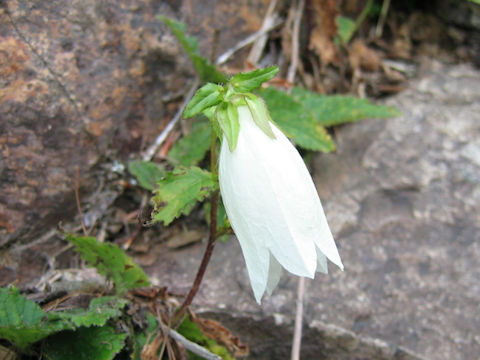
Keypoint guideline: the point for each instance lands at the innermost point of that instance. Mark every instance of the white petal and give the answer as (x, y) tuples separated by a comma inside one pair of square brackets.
[(266, 195), (257, 260), (324, 239), (274, 274), (273, 205), (321, 262)]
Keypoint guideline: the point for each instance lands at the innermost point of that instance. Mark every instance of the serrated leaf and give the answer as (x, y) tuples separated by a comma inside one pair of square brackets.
[(98, 313), (227, 118), (86, 343), (296, 121), (345, 28), (192, 148), (206, 71), (147, 173), (23, 322), (177, 193), (337, 109), (110, 261), (245, 82), (207, 96), (21, 319)]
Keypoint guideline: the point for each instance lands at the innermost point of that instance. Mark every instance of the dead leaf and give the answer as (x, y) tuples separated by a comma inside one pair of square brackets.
[(216, 331), (150, 350), (362, 57), (321, 37)]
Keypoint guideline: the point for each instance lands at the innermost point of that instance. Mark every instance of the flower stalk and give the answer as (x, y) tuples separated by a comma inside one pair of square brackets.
[(212, 236)]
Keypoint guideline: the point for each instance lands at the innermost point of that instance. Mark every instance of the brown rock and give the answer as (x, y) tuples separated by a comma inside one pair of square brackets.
[(82, 78)]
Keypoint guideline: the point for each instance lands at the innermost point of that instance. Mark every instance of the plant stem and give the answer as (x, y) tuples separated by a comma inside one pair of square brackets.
[(211, 237)]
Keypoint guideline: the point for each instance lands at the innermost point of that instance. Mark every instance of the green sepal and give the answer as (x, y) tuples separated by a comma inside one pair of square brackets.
[(260, 114), (208, 95), (227, 118), (210, 114), (245, 82)]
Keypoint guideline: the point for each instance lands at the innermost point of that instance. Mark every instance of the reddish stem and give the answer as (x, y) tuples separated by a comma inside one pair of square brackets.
[(206, 259)]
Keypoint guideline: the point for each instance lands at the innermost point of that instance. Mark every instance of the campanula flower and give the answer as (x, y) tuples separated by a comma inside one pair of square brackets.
[(272, 204)]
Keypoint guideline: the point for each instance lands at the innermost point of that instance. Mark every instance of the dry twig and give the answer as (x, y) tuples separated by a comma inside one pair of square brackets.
[(257, 48), (152, 149), (222, 59), (295, 42), (191, 346), (297, 333)]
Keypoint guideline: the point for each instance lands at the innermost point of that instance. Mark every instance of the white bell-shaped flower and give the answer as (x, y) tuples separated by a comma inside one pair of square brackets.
[(273, 207)]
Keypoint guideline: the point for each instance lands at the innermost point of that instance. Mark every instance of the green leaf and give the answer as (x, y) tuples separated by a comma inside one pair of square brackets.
[(146, 334), (245, 82), (86, 343), (177, 193), (206, 71), (21, 319), (260, 114), (191, 149), (192, 332), (110, 261), (227, 118), (336, 109), (22, 322), (345, 28), (147, 173), (207, 96), (296, 121), (98, 313)]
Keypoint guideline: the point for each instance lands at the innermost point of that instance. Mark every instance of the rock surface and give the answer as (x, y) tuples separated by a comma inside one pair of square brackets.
[(403, 198), (86, 79)]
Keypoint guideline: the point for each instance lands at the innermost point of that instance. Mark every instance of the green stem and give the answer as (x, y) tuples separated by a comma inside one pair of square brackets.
[(211, 238), (362, 16)]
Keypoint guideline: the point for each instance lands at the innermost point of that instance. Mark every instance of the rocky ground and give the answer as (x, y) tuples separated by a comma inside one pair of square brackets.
[(402, 197)]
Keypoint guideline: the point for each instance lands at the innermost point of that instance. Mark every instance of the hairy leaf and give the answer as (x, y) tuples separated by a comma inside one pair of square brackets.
[(296, 121), (99, 311), (227, 118), (245, 82), (21, 319), (99, 343), (206, 71), (110, 261), (205, 97), (22, 322), (336, 109), (191, 149), (260, 114), (147, 173), (177, 193)]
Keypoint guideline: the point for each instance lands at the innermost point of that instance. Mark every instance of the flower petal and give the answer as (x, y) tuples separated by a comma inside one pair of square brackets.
[(273, 206), (267, 194), (321, 262), (274, 274)]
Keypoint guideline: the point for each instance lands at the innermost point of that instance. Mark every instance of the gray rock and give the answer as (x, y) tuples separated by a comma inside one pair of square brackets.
[(403, 199)]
